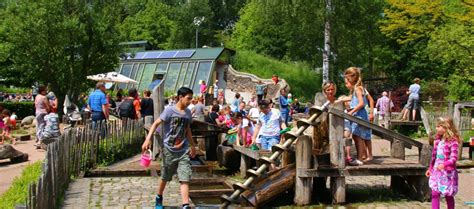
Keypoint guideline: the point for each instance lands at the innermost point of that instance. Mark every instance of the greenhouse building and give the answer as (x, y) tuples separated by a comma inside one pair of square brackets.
[(180, 67)]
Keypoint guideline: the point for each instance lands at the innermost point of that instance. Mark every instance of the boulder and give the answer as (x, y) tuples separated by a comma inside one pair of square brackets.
[(29, 120), (7, 151)]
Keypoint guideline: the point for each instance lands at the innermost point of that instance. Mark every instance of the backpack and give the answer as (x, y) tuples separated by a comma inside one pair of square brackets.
[(51, 128), (126, 109)]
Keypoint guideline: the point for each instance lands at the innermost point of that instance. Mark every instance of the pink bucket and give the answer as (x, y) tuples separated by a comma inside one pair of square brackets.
[(146, 158)]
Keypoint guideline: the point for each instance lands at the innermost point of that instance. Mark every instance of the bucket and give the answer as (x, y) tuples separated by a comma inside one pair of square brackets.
[(146, 158)]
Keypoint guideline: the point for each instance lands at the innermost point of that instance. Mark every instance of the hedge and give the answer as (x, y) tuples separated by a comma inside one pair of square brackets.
[(22, 109)]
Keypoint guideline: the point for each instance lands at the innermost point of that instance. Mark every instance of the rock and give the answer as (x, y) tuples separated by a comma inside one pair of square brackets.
[(28, 120), (7, 151)]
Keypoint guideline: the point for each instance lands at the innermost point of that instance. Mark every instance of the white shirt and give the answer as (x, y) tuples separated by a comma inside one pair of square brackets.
[(270, 123)]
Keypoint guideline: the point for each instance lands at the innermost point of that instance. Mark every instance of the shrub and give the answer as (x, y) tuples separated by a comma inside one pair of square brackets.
[(303, 81), (16, 194), (14, 90), (22, 109)]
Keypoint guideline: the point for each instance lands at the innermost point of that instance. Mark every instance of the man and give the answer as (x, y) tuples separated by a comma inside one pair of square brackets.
[(147, 104), (177, 128), (215, 89), (414, 96), (260, 90), (383, 106), (97, 104), (269, 126)]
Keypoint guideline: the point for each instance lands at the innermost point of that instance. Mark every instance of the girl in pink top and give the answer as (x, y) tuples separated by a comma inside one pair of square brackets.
[(443, 176), (203, 88)]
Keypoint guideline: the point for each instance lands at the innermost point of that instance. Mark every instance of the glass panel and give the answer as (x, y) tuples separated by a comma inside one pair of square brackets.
[(202, 74), (161, 67), (182, 74), (189, 75), (138, 78), (126, 72), (172, 76), (132, 75), (147, 76)]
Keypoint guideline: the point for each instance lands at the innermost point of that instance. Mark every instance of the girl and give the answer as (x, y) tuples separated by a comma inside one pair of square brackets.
[(244, 129), (7, 127), (360, 134), (442, 172), (203, 88), (220, 96)]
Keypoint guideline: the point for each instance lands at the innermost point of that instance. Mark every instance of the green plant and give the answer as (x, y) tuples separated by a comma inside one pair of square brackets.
[(303, 81), (16, 194), (14, 90), (22, 109)]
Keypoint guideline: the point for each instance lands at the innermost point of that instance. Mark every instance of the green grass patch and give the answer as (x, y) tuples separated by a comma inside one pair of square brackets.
[(18, 191), (303, 81)]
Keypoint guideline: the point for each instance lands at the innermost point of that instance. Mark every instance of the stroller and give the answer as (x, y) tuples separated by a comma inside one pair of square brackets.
[(71, 113)]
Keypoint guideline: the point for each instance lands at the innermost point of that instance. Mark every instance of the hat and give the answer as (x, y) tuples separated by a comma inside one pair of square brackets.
[(289, 95)]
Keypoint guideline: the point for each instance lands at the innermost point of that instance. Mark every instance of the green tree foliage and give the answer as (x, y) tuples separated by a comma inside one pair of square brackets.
[(59, 42), (436, 41), (151, 24)]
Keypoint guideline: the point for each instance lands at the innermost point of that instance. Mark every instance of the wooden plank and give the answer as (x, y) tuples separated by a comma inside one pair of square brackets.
[(424, 119), (303, 186), (338, 190), (406, 122), (382, 171), (245, 164), (376, 128), (247, 152), (336, 130)]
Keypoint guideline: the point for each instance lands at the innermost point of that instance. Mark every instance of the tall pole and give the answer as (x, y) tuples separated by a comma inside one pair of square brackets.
[(197, 36)]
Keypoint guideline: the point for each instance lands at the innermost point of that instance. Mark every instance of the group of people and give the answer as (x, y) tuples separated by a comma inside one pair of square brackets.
[(15, 97), (47, 120)]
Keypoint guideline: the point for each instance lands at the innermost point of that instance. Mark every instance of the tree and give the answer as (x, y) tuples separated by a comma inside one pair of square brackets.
[(151, 24), (59, 43), (327, 40)]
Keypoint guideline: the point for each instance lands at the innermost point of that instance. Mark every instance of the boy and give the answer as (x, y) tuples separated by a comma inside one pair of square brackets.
[(177, 122), (269, 126)]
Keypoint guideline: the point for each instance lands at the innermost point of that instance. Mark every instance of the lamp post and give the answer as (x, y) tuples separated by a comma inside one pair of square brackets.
[(197, 22)]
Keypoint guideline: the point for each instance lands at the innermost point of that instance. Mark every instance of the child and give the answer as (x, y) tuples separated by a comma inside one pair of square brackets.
[(220, 96), (361, 135), (203, 88), (7, 127), (442, 172), (244, 129), (13, 118), (178, 138), (347, 133)]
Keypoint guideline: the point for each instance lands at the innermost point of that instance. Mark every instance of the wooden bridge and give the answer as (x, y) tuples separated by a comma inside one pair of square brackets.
[(305, 163)]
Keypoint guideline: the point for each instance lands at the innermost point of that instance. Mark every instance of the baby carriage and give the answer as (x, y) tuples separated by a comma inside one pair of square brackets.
[(71, 113)]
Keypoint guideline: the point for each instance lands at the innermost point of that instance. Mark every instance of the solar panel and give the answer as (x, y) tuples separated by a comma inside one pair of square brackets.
[(185, 54), (137, 55), (151, 55), (168, 54)]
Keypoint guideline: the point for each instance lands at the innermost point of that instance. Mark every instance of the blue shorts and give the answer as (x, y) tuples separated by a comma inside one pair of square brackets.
[(268, 141)]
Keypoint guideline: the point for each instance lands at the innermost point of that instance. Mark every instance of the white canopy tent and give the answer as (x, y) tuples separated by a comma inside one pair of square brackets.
[(113, 77)]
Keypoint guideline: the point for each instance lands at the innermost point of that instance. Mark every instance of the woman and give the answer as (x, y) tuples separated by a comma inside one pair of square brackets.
[(42, 108)]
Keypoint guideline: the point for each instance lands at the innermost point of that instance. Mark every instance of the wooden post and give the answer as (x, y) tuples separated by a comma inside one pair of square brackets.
[(397, 149), (457, 123), (336, 131), (425, 155), (245, 164), (303, 186)]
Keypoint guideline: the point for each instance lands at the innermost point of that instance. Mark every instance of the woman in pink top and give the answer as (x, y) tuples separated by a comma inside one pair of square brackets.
[(42, 108)]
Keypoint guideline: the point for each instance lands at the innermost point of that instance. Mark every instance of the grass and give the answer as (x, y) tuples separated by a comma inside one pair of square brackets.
[(18, 191), (303, 81)]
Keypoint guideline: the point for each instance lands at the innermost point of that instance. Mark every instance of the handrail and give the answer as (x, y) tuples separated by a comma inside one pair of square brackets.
[(384, 131)]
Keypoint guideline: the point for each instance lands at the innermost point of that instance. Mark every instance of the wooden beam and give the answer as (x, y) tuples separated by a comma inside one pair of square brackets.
[(386, 171), (303, 186), (397, 150), (424, 119), (336, 131), (247, 152), (376, 128)]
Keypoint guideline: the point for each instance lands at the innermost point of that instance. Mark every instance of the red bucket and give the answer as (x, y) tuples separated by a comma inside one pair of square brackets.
[(146, 158)]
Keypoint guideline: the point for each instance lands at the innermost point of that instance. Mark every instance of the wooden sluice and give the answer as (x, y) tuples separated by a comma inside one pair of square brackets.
[(312, 164)]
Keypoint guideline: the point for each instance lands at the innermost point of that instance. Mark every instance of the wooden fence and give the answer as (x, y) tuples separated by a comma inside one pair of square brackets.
[(77, 151)]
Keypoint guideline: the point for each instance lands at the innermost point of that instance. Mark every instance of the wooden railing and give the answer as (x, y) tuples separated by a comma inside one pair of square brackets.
[(76, 152)]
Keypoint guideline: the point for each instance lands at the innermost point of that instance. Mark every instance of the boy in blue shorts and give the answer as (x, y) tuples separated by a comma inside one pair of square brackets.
[(178, 145)]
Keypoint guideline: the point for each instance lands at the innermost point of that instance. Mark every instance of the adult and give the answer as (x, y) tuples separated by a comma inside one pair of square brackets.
[(269, 126), (260, 90), (98, 105), (253, 101), (198, 109), (383, 106), (42, 108), (130, 106), (35, 90), (147, 104), (53, 101), (275, 79), (413, 98), (284, 106)]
